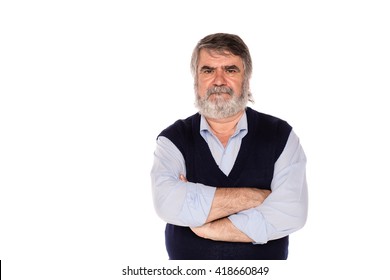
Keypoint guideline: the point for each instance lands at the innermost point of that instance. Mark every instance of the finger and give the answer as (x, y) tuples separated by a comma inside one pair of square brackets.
[(183, 178)]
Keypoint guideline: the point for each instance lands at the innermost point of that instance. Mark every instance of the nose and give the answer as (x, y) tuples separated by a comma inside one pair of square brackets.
[(219, 78)]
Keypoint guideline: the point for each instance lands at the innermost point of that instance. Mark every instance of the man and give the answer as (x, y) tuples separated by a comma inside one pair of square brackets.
[(229, 181)]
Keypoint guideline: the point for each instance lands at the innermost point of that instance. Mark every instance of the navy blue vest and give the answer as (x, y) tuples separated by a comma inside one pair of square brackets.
[(254, 167)]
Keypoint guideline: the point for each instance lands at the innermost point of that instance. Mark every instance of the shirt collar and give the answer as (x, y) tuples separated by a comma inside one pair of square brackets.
[(242, 125)]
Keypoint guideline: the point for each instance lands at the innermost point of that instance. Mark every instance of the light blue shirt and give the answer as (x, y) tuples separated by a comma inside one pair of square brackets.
[(188, 204)]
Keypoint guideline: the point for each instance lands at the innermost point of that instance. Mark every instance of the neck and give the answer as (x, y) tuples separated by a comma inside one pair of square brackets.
[(225, 126)]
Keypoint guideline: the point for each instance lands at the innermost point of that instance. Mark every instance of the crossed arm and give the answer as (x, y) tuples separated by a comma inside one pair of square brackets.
[(226, 202), (232, 214)]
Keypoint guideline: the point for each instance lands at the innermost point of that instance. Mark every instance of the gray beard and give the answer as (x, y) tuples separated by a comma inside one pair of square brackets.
[(220, 108)]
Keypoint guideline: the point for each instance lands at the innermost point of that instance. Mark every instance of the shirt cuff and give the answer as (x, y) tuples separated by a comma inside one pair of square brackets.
[(252, 223), (197, 207)]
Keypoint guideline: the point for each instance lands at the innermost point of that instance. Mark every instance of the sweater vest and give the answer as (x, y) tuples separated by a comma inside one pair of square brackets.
[(254, 167)]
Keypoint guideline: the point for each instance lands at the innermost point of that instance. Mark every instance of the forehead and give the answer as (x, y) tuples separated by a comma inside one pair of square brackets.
[(216, 59)]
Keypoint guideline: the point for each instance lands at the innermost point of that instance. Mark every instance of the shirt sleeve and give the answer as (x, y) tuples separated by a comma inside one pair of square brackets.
[(177, 202), (284, 211)]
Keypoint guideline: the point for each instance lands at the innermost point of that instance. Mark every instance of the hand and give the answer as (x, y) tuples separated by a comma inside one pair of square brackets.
[(201, 230), (221, 230)]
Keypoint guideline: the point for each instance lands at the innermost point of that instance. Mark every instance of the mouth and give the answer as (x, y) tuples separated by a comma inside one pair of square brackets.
[(218, 95)]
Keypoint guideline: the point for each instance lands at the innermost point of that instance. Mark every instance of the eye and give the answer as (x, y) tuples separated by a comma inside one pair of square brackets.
[(206, 70), (231, 71)]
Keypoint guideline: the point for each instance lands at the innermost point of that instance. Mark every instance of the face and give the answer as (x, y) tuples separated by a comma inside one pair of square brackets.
[(220, 90)]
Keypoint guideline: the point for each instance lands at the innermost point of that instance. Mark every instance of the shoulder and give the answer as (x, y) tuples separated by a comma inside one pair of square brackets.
[(181, 127), (262, 120), (270, 129), (181, 131)]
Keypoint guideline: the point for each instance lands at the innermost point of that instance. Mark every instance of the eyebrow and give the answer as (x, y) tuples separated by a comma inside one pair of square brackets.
[(206, 68), (228, 67)]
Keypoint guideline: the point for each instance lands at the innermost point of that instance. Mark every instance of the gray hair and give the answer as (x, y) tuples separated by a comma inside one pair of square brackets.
[(222, 43)]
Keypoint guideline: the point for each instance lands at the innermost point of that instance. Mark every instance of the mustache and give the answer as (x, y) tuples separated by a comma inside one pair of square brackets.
[(219, 90)]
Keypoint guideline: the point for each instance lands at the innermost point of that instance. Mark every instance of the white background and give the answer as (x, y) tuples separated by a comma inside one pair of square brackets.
[(86, 86)]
